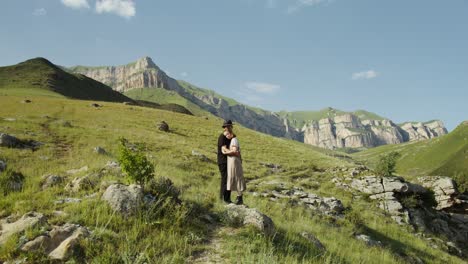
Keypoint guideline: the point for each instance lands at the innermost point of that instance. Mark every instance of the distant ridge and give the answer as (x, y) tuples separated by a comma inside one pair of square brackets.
[(41, 74)]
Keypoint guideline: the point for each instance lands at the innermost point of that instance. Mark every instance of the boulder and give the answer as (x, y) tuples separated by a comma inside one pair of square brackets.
[(28, 220), (9, 141), (124, 199), (324, 205), (51, 180), (80, 184), (313, 240), (243, 215), (163, 126), (444, 188)]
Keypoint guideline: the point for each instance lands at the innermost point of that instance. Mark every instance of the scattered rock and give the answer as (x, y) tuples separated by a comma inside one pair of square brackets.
[(105, 184), (124, 199), (9, 141), (3, 166), (275, 168), (28, 220), (163, 126), (100, 150), (27, 101), (58, 243), (51, 180), (75, 171), (241, 214), (80, 184), (368, 240), (10, 119), (66, 124), (445, 191), (199, 155), (313, 240), (95, 105)]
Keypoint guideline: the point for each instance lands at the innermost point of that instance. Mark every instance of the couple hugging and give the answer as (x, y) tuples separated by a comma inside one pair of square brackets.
[(230, 165)]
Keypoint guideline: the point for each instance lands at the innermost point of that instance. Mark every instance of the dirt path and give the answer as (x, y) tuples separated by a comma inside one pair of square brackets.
[(213, 252)]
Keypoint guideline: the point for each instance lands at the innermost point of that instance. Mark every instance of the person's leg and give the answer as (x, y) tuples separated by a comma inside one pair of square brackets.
[(222, 190)]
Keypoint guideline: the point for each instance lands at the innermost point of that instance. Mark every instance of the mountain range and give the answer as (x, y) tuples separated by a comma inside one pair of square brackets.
[(328, 128)]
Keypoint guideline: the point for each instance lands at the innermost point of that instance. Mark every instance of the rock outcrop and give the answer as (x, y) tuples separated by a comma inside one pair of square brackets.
[(124, 199), (28, 220), (348, 131)]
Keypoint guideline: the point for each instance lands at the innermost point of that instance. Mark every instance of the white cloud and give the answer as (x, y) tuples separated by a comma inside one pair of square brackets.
[(76, 4), (184, 74), (364, 75), (304, 3), (123, 8), (262, 88), (40, 12)]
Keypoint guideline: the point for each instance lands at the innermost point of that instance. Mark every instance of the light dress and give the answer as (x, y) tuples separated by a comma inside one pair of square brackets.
[(235, 179)]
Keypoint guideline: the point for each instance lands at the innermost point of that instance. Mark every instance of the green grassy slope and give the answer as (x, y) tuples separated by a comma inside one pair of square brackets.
[(174, 237), (446, 155), (41, 77)]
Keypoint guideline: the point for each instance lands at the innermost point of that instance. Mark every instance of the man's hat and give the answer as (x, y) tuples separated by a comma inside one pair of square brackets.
[(227, 123)]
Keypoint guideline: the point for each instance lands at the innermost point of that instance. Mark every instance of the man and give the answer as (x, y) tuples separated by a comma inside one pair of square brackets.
[(224, 194)]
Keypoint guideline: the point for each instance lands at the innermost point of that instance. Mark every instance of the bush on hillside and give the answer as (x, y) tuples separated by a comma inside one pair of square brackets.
[(387, 163), (134, 163), (10, 181)]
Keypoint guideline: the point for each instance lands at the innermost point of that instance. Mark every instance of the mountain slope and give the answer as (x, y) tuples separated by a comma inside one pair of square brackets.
[(41, 76), (447, 155), (328, 128)]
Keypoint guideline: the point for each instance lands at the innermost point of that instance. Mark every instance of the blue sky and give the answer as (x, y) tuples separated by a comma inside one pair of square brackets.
[(405, 60)]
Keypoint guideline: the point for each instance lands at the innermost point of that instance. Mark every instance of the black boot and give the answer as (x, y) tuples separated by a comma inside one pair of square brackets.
[(239, 200), (227, 197)]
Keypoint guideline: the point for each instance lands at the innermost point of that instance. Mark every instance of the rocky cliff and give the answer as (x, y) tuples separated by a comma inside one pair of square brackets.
[(336, 131), (348, 131)]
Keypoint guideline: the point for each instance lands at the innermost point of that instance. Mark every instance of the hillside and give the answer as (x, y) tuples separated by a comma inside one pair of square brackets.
[(446, 155), (194, 230), (39, 76)]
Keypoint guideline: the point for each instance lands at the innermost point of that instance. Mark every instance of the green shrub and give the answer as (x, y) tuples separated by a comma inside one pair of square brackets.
[(134, 163), (387, 163), (163, 188), (11, 181)]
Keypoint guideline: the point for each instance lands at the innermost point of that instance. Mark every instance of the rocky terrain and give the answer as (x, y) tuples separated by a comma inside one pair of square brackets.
[(342, 131)]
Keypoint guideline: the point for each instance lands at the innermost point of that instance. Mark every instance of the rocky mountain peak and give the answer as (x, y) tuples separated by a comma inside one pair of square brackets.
[(146, 63)]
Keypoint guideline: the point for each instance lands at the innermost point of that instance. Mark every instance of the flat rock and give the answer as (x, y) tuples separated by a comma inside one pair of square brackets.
[(314, 240), (80, 184), (368, 240), (51, 180), (243, 215), (28, 220), (75, 171)]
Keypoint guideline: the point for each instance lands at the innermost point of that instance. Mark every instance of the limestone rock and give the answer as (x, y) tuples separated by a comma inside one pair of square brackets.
[(9, 141), (243, 215), (65, 249), (124, 199), (80, 184), (28, 220), (51, 180), (368, 240), (75, 171), (100, 150), (444, 188), (200, 156)]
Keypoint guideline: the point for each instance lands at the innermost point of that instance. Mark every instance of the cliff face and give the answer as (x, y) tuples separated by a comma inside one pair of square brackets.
[(339, 131), (349, 131)]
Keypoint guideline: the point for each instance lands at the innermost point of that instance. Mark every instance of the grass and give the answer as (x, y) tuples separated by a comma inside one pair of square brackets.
[(176, 235)]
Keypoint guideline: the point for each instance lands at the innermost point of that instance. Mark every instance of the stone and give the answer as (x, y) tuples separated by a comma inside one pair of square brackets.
[(124, 199), (27, 101), (163, 126), (28, 220), (243, 215), (368, 240), (200, 156), (444, 188), (67, 200), (105, 184), (65, 249), (275, 168), (80, 184), (3, 166), (51, 180), (95, 105), (313, 240), (100, 150)]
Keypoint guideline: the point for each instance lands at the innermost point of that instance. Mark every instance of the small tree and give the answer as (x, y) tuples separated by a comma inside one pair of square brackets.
[(387, 164), (134, 163)]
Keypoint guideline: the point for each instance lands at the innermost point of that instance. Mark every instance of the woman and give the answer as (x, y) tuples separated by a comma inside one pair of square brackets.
[(235, 179)]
